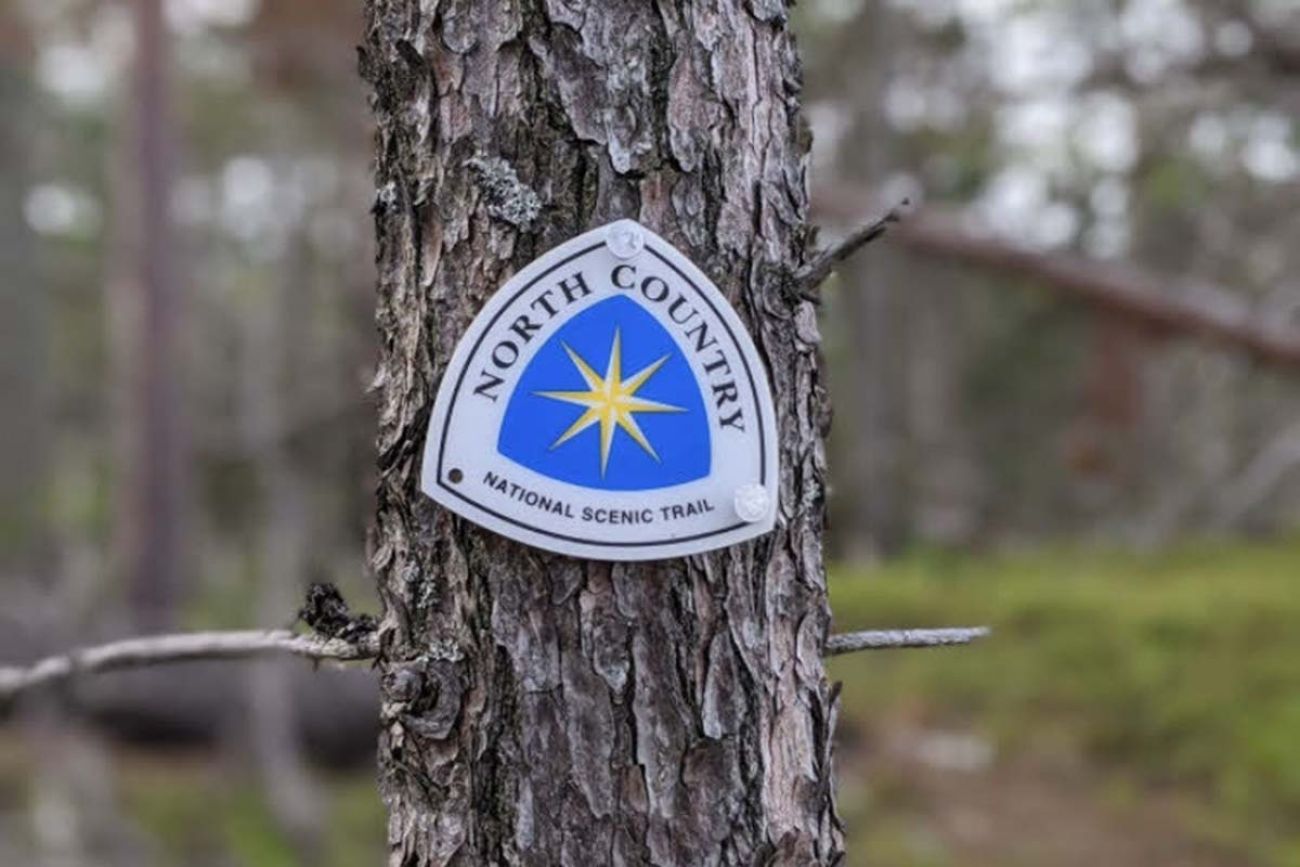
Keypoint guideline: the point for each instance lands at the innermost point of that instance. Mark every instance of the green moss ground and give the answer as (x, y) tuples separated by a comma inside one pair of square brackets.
[(1172, 672)]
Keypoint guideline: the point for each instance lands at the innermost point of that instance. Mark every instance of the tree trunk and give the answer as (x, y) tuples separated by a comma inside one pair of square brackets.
[(153, 503), (872, 525), (539, 709), (24, 321), (275, 339)]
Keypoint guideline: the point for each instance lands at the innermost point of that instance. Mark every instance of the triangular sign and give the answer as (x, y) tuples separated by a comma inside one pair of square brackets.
[(607, 403)]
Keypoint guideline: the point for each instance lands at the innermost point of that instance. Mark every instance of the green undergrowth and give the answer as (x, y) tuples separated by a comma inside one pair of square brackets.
[(193, 815), (1177, 671), (1134, 680)]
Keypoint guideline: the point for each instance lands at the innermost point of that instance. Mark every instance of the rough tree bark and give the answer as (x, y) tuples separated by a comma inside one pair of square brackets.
[(539, 709)]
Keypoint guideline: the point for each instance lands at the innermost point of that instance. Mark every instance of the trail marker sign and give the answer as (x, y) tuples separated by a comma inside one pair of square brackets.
[(607, 403)]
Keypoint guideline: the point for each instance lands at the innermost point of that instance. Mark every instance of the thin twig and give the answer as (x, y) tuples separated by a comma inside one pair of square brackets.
[(816, 272), (163, 649), (885, 639), (242, 644)]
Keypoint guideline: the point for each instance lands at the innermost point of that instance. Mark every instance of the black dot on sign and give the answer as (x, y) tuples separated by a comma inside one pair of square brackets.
[(455, 476)]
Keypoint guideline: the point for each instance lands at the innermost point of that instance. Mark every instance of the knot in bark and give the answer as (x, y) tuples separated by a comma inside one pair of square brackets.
[(426, 696), (404, 684)]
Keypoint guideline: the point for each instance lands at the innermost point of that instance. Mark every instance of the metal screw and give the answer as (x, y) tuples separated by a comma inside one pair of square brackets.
[(752, 503), (625, 239)]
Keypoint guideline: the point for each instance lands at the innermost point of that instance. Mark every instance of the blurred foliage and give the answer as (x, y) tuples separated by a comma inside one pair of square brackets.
[(1171, 670), (1128, 679), (198, 816), (193, 810)]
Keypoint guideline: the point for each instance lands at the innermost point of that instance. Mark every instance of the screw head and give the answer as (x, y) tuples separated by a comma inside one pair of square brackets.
[(752, 503), (625, 239)]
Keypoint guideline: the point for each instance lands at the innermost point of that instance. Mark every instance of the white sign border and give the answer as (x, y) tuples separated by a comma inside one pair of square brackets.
[(448, 496)]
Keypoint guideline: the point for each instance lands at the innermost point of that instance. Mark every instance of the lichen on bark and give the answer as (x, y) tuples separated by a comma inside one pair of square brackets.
[(539, 709)]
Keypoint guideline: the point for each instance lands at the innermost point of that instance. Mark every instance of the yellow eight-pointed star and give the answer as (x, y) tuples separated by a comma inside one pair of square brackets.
[(610, 402)]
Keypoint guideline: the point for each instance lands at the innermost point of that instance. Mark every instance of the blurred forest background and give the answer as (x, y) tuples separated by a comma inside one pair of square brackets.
[(1113, 484)]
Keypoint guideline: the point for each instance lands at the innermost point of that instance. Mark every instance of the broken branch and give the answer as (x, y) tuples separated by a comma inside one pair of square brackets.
[(163, 649), (1126, 292), (816, 272), (244, 644), (1148, 300), (887, 639)]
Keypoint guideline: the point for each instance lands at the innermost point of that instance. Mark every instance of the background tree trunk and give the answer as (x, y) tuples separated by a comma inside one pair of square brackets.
[(152, 502), (24, 320), (872, 524), (275, 341), (539, 709)]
